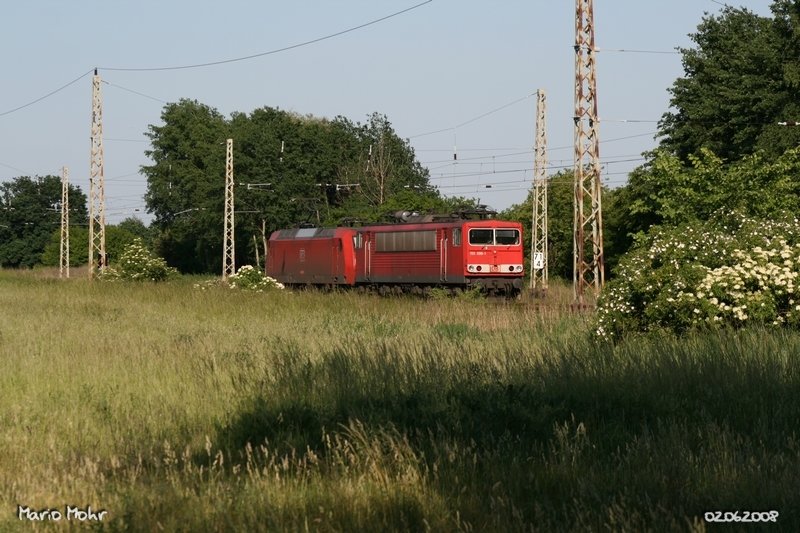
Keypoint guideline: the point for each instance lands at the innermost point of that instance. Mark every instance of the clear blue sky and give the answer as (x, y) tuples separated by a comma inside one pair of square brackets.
[(432, 68)]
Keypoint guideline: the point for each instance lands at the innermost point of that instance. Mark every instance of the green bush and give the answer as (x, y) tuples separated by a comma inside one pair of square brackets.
[(729, 271), (137, 263)]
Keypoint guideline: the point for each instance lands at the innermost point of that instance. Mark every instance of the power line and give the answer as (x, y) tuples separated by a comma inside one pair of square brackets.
[(128, 140), (628, 120), (48, 95), (478, 158), (25, 172), (445, 176), (556, 148), (474, 119), (119, 177), (607, 140), (517, 149), (212, 63), (565, 147), (482, 161), (632, 51), (135, 92), (270, 52)]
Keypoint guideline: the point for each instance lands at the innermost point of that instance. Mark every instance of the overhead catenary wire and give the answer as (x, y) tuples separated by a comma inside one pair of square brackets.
[(211, 63), (134, 92), (25, 172), (474, 119), (483, 161), (530, 151), (269, 52), (48, 95), (107, 139), (565, 163), (635, 51), (444, 175)]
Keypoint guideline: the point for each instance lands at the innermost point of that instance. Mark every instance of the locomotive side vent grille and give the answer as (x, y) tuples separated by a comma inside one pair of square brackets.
[(405, 241)]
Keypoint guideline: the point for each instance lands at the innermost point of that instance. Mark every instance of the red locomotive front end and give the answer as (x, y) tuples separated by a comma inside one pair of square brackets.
[(493, 255)]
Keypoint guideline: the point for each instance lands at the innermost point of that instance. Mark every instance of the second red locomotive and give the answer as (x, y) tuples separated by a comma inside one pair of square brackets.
[(423, 252)]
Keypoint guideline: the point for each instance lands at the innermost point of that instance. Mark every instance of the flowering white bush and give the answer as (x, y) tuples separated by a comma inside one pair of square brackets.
[(760, 287), (137, 263), (728, 272), (252, 279)]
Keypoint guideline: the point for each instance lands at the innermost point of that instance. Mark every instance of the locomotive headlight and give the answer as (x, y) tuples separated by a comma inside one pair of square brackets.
[(511, 269), (519, 268), (471, 268), (478, 268)]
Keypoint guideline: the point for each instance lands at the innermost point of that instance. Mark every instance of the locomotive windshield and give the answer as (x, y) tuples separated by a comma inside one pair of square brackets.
[(489, 237), (481, 236), (506, 236)]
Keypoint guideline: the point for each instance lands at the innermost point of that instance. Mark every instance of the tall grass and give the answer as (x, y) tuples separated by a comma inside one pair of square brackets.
[(182, 409)]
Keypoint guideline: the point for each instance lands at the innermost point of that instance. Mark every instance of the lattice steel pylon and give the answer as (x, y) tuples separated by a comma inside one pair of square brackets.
[(588, 213), (63, 260), (539, 270), (97, 201), (229, 256)]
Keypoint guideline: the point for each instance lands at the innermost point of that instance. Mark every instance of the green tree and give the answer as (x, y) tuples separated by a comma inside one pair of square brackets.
[(117, 238), (741, 79), (388, 162), (136, 227), (30, 210), (667, 192), (185, 184)]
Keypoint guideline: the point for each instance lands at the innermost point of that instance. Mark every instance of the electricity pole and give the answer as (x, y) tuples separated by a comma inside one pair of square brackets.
[(539, 222), (588, 216), (97, 202), (63, 261), (228, 256)]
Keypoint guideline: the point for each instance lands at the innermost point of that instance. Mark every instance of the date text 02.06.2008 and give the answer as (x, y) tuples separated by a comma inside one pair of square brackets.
[(741, 516)]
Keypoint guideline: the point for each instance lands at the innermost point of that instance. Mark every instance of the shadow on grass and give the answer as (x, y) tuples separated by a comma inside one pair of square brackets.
[(681, 425), (745, 381)]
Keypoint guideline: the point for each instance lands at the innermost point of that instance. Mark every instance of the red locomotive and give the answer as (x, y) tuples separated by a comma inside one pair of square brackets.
[(420, 253)]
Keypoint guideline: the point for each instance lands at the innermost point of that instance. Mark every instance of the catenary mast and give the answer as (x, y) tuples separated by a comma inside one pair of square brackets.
[(588, 215), (97, 208)]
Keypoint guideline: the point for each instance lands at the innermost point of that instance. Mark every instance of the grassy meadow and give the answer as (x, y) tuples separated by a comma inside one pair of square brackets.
[(180, 409)]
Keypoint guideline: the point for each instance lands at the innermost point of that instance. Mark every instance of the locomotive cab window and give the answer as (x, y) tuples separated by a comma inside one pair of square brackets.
[(493, 237), (456, 236), (506, 237), (358, 241), (481, 236)]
